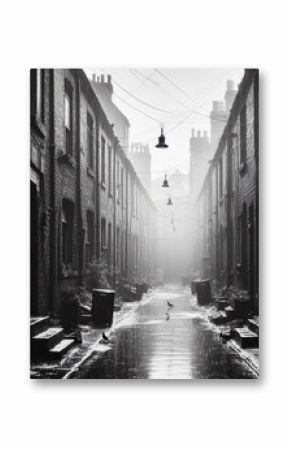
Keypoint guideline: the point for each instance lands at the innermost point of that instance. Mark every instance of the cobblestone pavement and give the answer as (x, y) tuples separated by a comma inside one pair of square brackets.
[(156, 341)]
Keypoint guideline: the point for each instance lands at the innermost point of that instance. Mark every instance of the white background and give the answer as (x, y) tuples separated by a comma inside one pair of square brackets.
[(201, 414)]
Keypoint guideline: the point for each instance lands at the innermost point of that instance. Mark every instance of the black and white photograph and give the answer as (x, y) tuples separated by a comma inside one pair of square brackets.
[(144, 223)]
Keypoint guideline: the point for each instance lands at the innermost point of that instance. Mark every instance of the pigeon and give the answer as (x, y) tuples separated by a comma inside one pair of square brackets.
[(167, 316), (169, 304), (105, 338)]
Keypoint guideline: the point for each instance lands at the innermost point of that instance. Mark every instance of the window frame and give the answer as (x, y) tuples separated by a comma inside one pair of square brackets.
[(68, 127), (90, 141), (103, 160), (243, 134)]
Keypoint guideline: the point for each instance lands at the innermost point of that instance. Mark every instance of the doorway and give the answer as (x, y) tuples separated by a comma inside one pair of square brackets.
[(34, 250)]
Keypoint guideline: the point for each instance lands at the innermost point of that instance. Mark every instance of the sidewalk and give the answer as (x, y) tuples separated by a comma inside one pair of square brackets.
[(249, 355), (62, 369)]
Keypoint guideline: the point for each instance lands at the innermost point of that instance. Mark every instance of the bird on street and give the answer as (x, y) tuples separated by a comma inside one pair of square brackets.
[(105, 339)]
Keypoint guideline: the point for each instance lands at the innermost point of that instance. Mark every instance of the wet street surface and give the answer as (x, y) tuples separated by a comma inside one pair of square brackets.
[(157, 341)]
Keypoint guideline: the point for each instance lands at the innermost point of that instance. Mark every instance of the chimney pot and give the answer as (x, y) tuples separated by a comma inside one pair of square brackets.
[(198, 133), (94, 77), (102, 78), (192, 132), (109, 79)]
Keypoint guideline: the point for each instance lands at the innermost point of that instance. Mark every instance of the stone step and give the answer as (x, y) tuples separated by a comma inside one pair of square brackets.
[(43, 342), (253, 325), (61, 348), (85, 318), (246, 338), (38, 324)]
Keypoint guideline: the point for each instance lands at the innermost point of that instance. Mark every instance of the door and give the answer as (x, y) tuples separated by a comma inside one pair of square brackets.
[(34, 255)]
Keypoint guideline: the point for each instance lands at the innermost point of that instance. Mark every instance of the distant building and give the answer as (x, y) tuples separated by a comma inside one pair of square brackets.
[(200, 154), (172, 227), (104, 92), (140, 157), (202, 147)]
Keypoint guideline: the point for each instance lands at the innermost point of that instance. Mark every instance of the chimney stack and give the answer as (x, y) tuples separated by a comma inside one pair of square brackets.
[(229, 95), (94, 77)]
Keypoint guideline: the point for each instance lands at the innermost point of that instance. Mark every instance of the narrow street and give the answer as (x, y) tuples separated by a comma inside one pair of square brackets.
[(161, 342)]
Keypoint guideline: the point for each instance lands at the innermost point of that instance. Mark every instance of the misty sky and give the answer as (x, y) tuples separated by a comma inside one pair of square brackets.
[(193, 90)]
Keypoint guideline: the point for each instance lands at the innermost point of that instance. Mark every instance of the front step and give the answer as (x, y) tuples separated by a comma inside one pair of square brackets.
[(246, 338), (253, 325), (61, 348), (38, 324), (43, 342)]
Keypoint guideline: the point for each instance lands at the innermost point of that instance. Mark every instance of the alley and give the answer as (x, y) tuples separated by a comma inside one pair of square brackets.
[(161, 342)]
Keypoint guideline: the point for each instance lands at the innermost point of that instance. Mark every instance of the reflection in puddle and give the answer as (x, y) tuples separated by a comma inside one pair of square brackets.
[(157, 343)]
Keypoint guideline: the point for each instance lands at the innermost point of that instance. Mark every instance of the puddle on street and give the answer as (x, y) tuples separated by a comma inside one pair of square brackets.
[(146, 345)]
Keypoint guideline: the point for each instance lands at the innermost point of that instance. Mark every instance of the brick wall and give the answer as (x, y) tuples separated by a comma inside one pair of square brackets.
[(225, 224)]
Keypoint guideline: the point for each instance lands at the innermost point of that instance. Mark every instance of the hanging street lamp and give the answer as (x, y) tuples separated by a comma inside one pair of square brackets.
[(165, 182), (161, 140)]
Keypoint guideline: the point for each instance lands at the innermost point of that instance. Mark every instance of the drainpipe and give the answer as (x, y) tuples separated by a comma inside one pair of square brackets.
[(52, 248)]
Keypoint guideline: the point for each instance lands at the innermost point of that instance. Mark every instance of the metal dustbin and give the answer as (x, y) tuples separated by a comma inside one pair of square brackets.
[(193, 282), (102, 307), (193, 286), (203, 292), (139, 291)]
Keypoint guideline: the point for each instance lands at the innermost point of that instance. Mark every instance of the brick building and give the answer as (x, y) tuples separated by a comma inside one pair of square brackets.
[(82, 205), (225, 234), (140, 157)]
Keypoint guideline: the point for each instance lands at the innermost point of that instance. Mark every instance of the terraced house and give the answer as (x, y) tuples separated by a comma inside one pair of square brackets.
[(86, 199), (226, 211)]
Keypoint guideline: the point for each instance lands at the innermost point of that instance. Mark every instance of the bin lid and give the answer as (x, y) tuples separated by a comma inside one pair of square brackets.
[(103, 290)]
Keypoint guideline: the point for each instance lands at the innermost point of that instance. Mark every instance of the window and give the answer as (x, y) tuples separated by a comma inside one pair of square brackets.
[(103, 238), (37, 92), (90, 237), (90, 141), (122, 185), (118, 247), (103, 166), (244, 246), (110, 171), (118, 181), (109, 252), (67, 232), (122, 252), (68, 117), (133, 198), (221, 177), (243, 135)]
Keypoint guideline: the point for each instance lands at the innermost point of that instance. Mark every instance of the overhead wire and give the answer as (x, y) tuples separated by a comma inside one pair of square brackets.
[(138, 99)]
